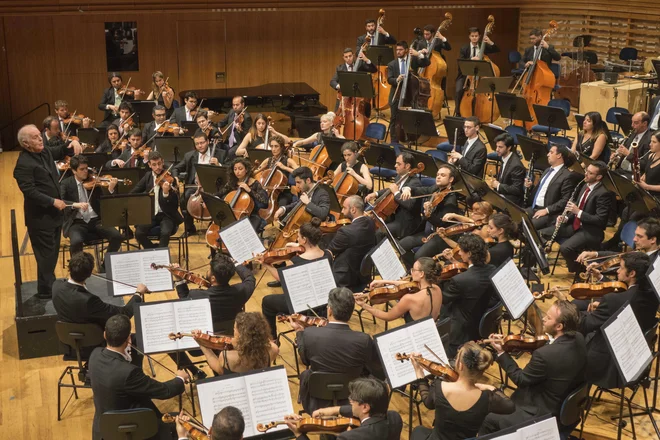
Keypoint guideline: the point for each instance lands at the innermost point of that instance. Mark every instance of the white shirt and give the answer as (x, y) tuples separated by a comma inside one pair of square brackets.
[(70, 281), (156, 194), (540, 200), (204, 158), (468, 144), (639, 137), (83, 197), (188, 117)]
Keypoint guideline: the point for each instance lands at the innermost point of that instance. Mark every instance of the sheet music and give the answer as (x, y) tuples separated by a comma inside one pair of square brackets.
[(308, 284), (426, 333), (191, 315), (387, 262), (512, 289), (544, 430), (241, 240), (630, 350), (215, 395), (134, 267), (653, 276)]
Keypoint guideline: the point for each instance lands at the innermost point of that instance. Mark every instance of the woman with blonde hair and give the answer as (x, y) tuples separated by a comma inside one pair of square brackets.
[(327, 129), (161, 92)]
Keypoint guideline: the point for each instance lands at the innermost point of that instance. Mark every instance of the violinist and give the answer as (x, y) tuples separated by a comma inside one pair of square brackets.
[(150, 129), (240, 178), (553, 372), (548, 53), (474, 400), (166, 214), (205, 125), (510, 178), (241, 124), (187, 112), (257, 135), (413, 306), (355, 167), (112, 98), (83, 223), (161, 92), (327, 129), (640, 136), (126, 159), (592, 140), (283, 162), (67, 126), (470, 51), (110, 142), (52, 137), (252, 347), (318, 204), (502, 230), (125, 112), (472, 157), (200, 155), (228, 424), (371, 28), (368, 401)]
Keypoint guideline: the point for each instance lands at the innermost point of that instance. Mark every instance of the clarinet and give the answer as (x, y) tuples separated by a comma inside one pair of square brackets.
[(548, 245), (530, 177)]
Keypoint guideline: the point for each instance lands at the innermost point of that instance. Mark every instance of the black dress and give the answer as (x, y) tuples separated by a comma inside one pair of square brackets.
[(500, 252), (258, 140), (586, 148), (407, 317), (652, 174)]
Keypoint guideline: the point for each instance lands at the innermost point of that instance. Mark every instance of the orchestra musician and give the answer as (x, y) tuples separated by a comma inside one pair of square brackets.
[(252, 347), (257, 136), (470, 51), (429, 34), (461, 406), (592, 140), (112, 98), (283, 162), (349, 66), (479, 211), (126, 158), (125, 112), (510, 179), (62, 113), (228, 424), (650, 180), (52, 138), (200, 155), (117, 384), (370, 26), (472, 157), (318, 205), (413, 306), (111, 138), (238, 129), (501, 229), (640, 136), (548, 53), (205, 125), (327, 129), (161, 92), (654, 115), (185, 113), (554, 371), (355, 167), (150, 129), (166, 205)]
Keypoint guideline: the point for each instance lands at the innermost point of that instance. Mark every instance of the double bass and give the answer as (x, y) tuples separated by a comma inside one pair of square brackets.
[(481, 105), (353, 110), (436, 72), (381, 86)]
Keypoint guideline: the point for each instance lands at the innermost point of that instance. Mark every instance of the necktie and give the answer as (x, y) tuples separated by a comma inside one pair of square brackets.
[(131, 163), (543, 181), (350, 68), (499, 174), (583, 201), (117, 98), (82, 195), (232, 137), (474, 51), (403, 67)]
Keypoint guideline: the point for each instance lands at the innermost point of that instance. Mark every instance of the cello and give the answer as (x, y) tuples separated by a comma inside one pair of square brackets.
[(436, 72), (240, 201), (273, 181), (381, 86), (346, 185), (319, 160), (385, 205), (481, 105)]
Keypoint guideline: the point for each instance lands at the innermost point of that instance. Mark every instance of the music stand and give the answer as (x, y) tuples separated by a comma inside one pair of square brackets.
[(334, 202), (535, 151), (637, 200), (212, 177), (380, 56), (256, 157), (551, 117), (430, 167), (381, 156), (454, 126), (492, 131), (132, 174), (418, 122), (220, 211), (143, 111), (513, 107), (480, 68), (480, 188), (334, 143), (493, 85), (356, 85), (190, 126), (96, 160), (89, 136), (625, 121), (125, 210), (172, 148)]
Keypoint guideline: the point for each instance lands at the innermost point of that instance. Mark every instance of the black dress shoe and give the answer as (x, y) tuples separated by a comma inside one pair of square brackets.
[(44, 295), (274, 284)]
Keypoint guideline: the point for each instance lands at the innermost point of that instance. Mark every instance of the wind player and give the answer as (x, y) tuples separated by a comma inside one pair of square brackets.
[(640, 136), (111, 98), (472, 157), (470, 51)]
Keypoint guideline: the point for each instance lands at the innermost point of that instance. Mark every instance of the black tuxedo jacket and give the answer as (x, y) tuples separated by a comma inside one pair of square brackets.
[(374, 428), (393, 71), (349, 246), (643, 145), (547, 55), (364, 67), (118, 384), (562, 184), (245, 126), (319, 206), (179, 115), (38, 180), (439, 45), (169, 205), (512, 180), (108, 98), (147, 133), (69, 191), (466, 53), (475, 160), (596, 211), (554, 371), (448, 205), (125, 156), (382, 40), (408, 212), (189, 163)]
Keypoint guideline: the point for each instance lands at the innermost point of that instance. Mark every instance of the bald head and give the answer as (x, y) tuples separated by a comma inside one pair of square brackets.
[(353, 207), (640, 122), (29, 137)]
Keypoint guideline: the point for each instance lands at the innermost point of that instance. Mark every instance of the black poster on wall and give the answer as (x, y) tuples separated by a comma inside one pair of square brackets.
[(121, 46)]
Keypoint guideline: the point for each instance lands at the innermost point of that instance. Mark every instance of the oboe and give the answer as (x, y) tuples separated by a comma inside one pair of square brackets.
[(530, 177), (548, 245)]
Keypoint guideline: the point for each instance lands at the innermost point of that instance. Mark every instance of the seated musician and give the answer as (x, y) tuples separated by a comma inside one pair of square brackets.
[(472, 157), (240, 178), (406, 219), (502, 230), (127, 158), (125, 112), (283, 162), (252, 348), (479, 211), (554, 371), (548, 52), (186, 112), (166, 205), (646, 239), (601, 368), (117, 384), (161, 92), (200, 155), (550, 196), (586, 220), (592, 140), (470, 51), (257, 135), (150, 130), (84, 222), (368, 401), (650, 180), (474, 400), (327, 129), (466, 295), (53, 138), (239, 128), (228, 424), (413, 306), (443, 180), (62, 114), (335, 348), (640, 136), (309, 237), (511, 176), (110, 142), (112, 98), (318, 205), (205, 125), (349, 65), (355, 167)]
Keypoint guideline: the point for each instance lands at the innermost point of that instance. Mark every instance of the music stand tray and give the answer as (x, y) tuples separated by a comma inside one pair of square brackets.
[(492, 131), (333, 143), (89, 136), (97, 160), (212, 177), (143, 111), (454, 125), (552, 117), (480, 68), (637, 200), (625, 121), (173, 148), (381, 156), (256, 157), (334, 201), (380, 55), (190, 126), (418, 122), (579, 120), (430, 167), (132, 174), (531, 147), (513, 107), (494, 84)]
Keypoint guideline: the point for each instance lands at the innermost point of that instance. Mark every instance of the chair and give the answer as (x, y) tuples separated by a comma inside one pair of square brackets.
[(610, 118), (560, 140), (628, 233), (556, 70), (77, 336), (514, 58), (329, 386), (628, 54), (557, 103), (444, 327), (559, 241), (181, 240), (572, 411), (514, 131), (375, 132), (490, 321), (367, 271), (384, 173), (99, 249), (129, 424)]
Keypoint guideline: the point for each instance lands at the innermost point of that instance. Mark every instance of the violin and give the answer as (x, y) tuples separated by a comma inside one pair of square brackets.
[(77, 119), (437, 198), (170, 127), (275, 256), (185, 274), (194, 433), (129, 91), (444, 372), (385, 205), (63, 165), (207, 340), (455, 230), (449, 270), (381, 295), (316, 425), (103, 181), (512, 343), (119, 144), (331, 227), (166, 176), (142, 150), (305, 321), (596, 290)]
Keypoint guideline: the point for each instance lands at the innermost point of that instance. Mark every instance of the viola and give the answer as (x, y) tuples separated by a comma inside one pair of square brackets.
[(194, 433), (207, 340), (185, 274), (596, 290), (103, 181), (436, 71), (381, 295), (444, 372), (331, 227), (316, 425), (275, 256), (305, 321), (449, 270), (513, 343), (77, 119), (346, 185), (385, 205)]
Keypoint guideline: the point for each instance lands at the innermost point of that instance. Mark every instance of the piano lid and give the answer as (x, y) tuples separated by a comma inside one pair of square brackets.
[(264, 91)]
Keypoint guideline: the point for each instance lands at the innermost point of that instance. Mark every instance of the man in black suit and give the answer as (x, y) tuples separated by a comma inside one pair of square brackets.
[(150, 130), (465, 297), (548, 199), (125, 112), (83, 221), (548, 52), (127, 159), (368, 400), (228, 424), (200, 155), (51, 135), (183, 114), (472, 157), (37, 178), (117, 384), (406, 219), (351, 243), (166, 205), (396, 72), (383, 37), (553, 372), (654, 113), (111, 98), (640, 136), (318, 205), (511, 176), (350, 64), (335, 348), (237, 132), (471, 51), (586, 220), (601, 368)]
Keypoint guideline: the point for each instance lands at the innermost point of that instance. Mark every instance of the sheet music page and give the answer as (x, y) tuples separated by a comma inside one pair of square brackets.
[(157, 321), (654, 277), (134, 267), (241, 241), (399, 341), (545, 430), (387, 262), (191, 315), (323, 280), (156, 280), (309, 284), (511, 436), (215, 395), (270, 398), (425, 332), (512, 288), (628, 344)]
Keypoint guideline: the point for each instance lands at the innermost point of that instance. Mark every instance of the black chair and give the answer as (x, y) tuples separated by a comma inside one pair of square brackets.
[(572, 411), (490, 321), (77, 336), (98, 244), (129, 424), (330, 386), (285, 335), (367, 270), (395, 425), (444, 327)]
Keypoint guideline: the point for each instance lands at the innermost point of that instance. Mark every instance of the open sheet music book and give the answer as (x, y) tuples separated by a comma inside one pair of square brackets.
[(154, 321), (241, 240), (407, 339), (512, 288), (134, 267), (540, 428), (307, 285), (262, 396), (387, 262)]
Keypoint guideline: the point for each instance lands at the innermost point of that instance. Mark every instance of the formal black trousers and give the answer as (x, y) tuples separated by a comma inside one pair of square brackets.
[(167, 228), (46, 248), (81, 232)]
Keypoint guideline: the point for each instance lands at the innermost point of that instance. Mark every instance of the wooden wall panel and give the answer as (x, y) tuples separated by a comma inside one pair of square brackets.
[(6, 137)]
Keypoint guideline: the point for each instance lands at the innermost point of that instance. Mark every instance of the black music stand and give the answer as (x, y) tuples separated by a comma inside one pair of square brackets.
[(430, 167), (479, 68), (132, 174), (492, 131), (625, 121), (356, 85), (637, 200), (380, 56), (535, 151), (256, 157), (220, 211), (493, 85), (381, 156), (212, 177), (454, 127), (513, 107), (190, 127), (551, 117), (90, 136), (418, 122), (334, 202), (126, 210), (333, 143), (96, 160), (143, 111), (479, 187), (173, 148)]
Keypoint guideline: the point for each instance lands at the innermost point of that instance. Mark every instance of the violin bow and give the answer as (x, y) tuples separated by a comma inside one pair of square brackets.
[(98, 176), (160, 91), (143, 145), (125, 88), (312, 310), (66, 129), (234, 121), (443, 363)]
